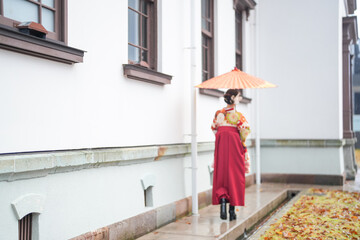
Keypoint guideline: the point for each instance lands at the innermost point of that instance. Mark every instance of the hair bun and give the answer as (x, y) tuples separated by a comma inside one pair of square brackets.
[(229, 93)]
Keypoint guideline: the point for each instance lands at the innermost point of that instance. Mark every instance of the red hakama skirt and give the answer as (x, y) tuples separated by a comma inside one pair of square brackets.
[(229, 167)]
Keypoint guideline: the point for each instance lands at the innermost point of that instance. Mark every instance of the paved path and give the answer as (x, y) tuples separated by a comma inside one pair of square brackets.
[(354, 185), (259, 201)]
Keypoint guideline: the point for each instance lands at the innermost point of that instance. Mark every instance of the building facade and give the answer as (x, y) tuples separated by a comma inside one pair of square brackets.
[(306, 123), (95, 124)]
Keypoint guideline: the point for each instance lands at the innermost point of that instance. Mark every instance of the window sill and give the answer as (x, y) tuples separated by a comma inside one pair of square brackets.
[(16, 41), (245, 100), (146, 75), (211, 92), (218, 93)]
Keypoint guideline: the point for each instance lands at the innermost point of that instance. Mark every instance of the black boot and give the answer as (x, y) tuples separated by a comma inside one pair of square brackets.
[(232, 213), (223, 214)]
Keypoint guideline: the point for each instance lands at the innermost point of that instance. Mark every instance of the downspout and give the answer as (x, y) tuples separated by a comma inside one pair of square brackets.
[(257, 140), (193, 108)]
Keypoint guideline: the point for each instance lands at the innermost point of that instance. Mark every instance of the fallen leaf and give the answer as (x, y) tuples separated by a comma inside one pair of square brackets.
[(324, 214)]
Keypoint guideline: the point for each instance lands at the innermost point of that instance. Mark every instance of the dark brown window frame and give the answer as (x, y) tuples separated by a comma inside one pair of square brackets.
[(148, 72), (151, 35), (238, 39), (13, 40), (209, 36), (60, 19), (239, 48), (238, 42)]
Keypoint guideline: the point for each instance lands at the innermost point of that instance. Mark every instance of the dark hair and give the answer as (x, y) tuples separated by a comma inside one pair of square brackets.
[(229, 93)]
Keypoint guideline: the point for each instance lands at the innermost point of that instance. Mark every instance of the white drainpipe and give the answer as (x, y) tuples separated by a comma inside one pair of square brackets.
[(257, 142), (193, 92)]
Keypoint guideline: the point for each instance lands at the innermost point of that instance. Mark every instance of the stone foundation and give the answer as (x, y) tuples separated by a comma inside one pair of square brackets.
[(141, 224)]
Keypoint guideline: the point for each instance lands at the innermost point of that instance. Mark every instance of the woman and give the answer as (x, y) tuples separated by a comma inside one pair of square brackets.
[(231, 160)]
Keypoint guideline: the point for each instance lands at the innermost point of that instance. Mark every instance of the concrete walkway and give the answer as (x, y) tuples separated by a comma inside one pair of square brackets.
[(259, 201)]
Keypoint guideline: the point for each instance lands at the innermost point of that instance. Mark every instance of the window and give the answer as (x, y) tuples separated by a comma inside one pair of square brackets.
[(238, 42), (207, 32), (25, 227), (357, 104), (49, 13), (142, 43), (207, 29), (142, 33), (239, 47), (52, 14)]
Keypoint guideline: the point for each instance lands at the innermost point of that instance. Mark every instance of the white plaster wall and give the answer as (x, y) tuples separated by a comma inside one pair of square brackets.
[(299, 50), (49, 106), (86, 200), (287, 160), (342, 13)]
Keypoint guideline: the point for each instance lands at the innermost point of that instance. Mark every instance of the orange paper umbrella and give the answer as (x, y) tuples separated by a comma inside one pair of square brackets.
[(235, 79)]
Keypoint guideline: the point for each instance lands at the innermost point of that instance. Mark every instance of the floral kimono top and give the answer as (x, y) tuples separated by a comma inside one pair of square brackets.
[(230, 117)]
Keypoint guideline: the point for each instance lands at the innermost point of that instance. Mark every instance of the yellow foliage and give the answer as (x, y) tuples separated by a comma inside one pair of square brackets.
[(320, 214)]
